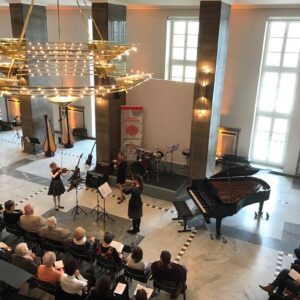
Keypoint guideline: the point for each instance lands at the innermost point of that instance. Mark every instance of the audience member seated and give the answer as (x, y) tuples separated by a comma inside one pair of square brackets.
[(105, 250), (72, 281), (282, 281), (5, 252), (54, 233), (82, 242), (47, 272), (31, 222), (165, 270), (135, 260), (102, 289), (25, 259), (11, 215), (141, 295)]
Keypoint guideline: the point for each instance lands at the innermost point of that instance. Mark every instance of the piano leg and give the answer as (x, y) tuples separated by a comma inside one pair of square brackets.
[(259, 214), (261, 206)]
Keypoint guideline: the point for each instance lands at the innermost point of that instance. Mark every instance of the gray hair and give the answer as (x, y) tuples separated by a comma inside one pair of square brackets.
[(51, 222), (22, 249), (49, 259)]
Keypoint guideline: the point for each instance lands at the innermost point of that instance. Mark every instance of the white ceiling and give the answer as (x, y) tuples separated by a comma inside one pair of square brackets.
[(155, 2)]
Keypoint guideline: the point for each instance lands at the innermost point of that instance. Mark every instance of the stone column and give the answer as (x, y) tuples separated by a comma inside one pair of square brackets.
[(111, 21), (211, 60), (32, 109)]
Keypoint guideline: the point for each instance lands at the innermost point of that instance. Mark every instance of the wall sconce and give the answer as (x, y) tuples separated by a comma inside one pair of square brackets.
[(201, 107), (205, 80), (100, 101)]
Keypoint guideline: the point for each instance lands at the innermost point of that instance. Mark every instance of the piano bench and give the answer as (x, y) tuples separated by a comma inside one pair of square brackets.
[(235, 160), (183, 213)]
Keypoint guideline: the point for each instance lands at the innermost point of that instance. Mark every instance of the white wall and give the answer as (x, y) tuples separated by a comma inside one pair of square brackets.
[(246, 38), (247, 28), (167, 114), (147, 28)]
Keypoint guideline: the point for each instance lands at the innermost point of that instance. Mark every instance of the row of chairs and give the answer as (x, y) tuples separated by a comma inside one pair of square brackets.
[(104, 263)]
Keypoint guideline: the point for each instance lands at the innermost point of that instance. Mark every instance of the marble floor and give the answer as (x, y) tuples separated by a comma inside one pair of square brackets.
[(255, 250)]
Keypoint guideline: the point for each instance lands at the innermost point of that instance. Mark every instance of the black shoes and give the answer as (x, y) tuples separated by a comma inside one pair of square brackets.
[(58, 207), (133, 231)]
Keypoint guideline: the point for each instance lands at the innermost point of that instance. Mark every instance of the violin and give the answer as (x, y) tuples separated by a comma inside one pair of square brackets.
[(63, 170), (117, 162)]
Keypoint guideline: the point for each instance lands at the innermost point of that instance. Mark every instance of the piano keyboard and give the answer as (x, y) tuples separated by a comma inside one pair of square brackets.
[(197, 201)]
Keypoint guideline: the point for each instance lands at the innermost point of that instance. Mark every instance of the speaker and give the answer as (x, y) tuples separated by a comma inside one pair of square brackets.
[(94, 180), (104, 168)]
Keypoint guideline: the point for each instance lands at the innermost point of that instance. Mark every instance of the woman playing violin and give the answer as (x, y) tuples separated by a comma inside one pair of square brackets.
[(135, 205), (56, 186), (121, 165)]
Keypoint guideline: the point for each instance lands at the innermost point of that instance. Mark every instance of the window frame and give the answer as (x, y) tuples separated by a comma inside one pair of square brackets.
[(280, 70), (169, 61)]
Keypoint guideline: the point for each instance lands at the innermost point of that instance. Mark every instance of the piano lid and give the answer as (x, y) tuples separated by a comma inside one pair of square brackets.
[(236, 172)]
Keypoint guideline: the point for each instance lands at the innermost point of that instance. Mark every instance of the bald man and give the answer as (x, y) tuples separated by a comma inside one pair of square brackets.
[(31, 222)]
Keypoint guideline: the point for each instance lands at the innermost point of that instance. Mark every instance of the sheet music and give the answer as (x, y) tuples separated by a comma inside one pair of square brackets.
[(119, 246), (148, 290), (104, 190), (120, 288), (294, 274)]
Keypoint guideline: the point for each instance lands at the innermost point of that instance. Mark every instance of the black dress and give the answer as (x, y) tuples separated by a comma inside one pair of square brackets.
[(122, 172), (56, 186), (135, 206)]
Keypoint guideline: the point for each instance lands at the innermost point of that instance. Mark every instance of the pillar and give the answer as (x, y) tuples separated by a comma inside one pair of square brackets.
[(212, 51), (111, 21), (32, 109)]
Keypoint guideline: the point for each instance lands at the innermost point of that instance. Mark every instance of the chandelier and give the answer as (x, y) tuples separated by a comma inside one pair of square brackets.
[(56, 61)]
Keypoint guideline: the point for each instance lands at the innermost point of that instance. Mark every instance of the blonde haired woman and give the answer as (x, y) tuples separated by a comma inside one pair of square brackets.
[(25, 259)]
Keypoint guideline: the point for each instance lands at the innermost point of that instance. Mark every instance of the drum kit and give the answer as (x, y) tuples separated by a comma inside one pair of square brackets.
[(145, 161)]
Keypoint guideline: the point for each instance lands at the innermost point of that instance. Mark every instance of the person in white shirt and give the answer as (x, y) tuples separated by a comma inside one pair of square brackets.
[(72, 281)]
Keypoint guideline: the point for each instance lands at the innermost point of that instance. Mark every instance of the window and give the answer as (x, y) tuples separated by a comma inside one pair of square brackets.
[(181, 50), (276, 92)]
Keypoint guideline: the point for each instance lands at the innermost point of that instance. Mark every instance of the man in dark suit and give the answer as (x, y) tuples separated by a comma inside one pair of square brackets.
[(11, 215)]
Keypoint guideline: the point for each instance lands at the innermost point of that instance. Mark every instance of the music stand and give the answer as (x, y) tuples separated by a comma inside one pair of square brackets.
[(104, 191), (172, 149), (33, 141), (75, 181), (98, 208)]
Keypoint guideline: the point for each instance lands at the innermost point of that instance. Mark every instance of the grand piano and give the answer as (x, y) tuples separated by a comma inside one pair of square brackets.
[(223, 195)]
